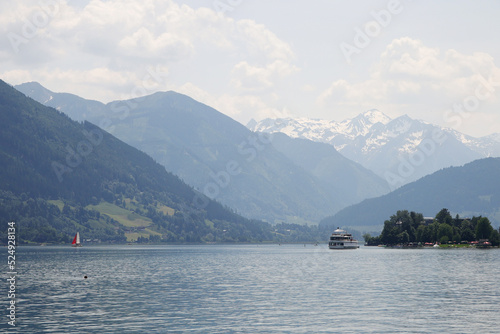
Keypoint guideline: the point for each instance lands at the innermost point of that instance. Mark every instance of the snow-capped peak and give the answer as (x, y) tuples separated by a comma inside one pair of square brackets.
[(375, 116), (381, 144), (321, 130)]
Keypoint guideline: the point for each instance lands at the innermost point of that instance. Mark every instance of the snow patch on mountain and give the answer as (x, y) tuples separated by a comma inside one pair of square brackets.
[(412, 141), (386, 145), (321, 130)]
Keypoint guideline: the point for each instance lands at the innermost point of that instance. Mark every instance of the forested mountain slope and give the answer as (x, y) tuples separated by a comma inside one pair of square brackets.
[(58, 176), (469, 190)]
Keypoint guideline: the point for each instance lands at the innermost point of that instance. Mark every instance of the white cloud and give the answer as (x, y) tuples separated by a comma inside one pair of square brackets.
[(412, 78), (255, 78), (261, 42), (272, 59), (17, 76), (143, 44), (242, 107), (250, 77), (103, 51)]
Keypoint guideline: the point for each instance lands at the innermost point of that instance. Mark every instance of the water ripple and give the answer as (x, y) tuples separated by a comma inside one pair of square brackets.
[(256, 289)]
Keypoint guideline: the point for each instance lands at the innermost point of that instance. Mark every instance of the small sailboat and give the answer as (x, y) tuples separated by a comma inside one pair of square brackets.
[(76, 240)]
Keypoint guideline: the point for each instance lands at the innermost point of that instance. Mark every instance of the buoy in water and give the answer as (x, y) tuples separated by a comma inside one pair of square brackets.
[(85, 276)]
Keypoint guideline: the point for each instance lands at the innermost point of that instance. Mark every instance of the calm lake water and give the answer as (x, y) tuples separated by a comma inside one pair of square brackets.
[(254, 289)]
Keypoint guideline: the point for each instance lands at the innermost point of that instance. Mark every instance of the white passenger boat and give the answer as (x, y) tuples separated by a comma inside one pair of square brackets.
[(340, 239)]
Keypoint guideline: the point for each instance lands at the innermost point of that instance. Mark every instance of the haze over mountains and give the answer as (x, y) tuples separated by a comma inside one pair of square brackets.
[(297, 174), (469, 190), (59, 176), (259, 176), (400, 150)]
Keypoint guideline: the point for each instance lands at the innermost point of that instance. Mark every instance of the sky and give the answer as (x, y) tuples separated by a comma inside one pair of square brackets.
[(436, 61)]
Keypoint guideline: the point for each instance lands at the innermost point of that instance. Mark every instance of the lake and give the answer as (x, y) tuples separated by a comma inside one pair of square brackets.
[(254, 289)]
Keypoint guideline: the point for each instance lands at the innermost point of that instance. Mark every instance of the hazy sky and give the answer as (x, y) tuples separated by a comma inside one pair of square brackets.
[(434, 60)]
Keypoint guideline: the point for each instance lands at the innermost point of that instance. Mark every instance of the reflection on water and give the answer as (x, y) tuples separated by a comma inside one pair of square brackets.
[(256, 289)]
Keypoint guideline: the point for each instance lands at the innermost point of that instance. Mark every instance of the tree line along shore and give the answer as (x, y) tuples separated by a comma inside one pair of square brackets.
[(413, 229)]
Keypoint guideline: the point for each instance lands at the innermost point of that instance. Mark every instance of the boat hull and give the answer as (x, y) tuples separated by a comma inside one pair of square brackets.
[(350, 245)]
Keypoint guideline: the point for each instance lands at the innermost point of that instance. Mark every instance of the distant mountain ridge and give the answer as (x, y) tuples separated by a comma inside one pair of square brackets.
[(79, 109), (321, 130), (469, 190), (399, 150), (335, 171), (60, 176), (257, 176)]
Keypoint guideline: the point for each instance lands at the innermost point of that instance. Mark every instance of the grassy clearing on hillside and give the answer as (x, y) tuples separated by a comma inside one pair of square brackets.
[(165, 209), (132, 204), (132, 236), (123, 216), (58, 203)]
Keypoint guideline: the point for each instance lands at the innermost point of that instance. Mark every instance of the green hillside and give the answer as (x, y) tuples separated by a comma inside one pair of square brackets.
[(275, 179), (470, 190), (59, 176), (196, 142)]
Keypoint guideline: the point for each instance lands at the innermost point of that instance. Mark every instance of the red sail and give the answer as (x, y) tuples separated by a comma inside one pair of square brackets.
[(74, 240)]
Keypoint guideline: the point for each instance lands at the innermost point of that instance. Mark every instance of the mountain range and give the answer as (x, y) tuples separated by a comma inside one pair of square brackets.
[(59, 176), (399, 150), (469, 190), (260, 176), (298, 169)]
